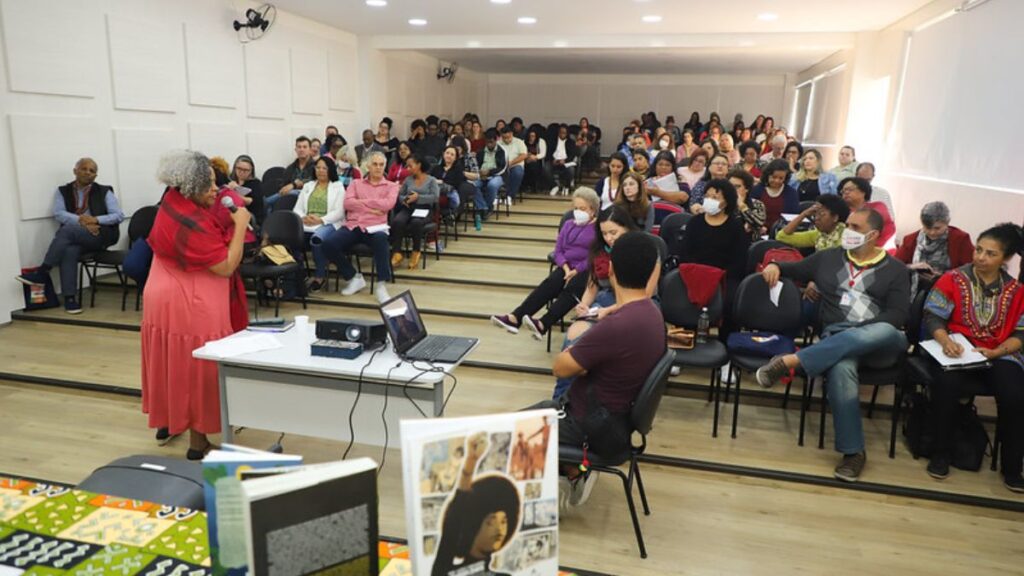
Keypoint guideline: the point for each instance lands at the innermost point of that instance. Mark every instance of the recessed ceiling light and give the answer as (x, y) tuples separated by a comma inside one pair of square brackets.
[(377, 3), (527, 20), (473, 44), (561, 43), (652, 19), (417, 22), (768, 16), (500, 1)]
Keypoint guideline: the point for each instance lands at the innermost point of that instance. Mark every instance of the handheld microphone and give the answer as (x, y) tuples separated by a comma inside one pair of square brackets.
[(228, 203)]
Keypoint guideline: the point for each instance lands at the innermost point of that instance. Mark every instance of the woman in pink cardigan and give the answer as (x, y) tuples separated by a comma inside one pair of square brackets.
[(367, 203)]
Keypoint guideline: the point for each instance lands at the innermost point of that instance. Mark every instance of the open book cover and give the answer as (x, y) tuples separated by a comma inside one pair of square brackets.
[(314, 520), (481, 494), (222, 488)]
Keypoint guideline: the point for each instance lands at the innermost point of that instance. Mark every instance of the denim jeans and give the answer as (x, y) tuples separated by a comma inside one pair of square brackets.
[(269, 201), (837, 356), (486, 193), (316, 244), (65, 248), (514, 179), (339, 243)]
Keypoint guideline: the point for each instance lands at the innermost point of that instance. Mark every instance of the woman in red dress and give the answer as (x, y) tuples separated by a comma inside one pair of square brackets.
[(191, 297)]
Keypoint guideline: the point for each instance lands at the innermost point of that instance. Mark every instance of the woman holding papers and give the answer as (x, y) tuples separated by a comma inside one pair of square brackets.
[(191, 297), (320, 205), (982, 302), (664, 184)]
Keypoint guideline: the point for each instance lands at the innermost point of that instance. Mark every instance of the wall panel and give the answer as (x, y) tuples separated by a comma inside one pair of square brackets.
[(309, 80), (212, 81), (136, 171), (266, 80), (145, 63)]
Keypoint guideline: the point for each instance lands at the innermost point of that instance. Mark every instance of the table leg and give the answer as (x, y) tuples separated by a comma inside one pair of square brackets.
[(225, 423)]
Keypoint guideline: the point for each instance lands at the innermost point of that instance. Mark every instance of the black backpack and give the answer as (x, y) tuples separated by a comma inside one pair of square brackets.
[(970, 439)]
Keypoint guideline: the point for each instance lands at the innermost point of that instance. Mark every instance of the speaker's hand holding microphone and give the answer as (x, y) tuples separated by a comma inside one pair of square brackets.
[(239, 215)]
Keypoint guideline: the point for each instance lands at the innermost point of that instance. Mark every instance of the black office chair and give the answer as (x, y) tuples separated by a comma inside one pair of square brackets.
[(641, 417), (753, 310), (757, 250), (272, 181), (673, 227), (286, 203), (282, 227), (138, 227), (679, 311)]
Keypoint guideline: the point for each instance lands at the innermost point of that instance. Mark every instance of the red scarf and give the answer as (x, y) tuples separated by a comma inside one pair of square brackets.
[(190, 236)]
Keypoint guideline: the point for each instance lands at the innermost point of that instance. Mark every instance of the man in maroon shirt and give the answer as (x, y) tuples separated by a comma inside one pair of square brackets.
[(610, 362)]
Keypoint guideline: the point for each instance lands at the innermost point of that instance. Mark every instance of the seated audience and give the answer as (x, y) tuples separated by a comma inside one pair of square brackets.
[(89, 216), (982, 302), (695, 170), (536, 150), (857, 194), (489, 179), (935, 248), (778, 147), (664, 143), (793, 153), (687, 147), (778, 197), (296, 174), (433, 143), (749, 161), (866, 170), (641, 164), (863, 306), (607, 188), (562, 158), (321, 207), (710, 146), (727, 146), (367, 203), (477, 138), (634, 200), (221, 213), (829, 215), (750, 210), (810, 181), (315, 145), (243, 175), (665, 165), (515, 159), (451, 176), (589, 151), (420, 191), (384, 139), (718, 169), (847, 167), (330, 130), (369, 145), (567, 281), (399, 169), (603, 386), (671, 128), (417, 134)]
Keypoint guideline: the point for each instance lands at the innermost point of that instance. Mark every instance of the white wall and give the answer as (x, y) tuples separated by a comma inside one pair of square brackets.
[(122, 81), (612, 101)]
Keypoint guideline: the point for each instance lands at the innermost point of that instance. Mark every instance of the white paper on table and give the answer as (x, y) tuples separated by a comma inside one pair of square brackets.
[(667, 183), (968, 357), (377, 228), (774, 293), (420, 212), (238, 345)]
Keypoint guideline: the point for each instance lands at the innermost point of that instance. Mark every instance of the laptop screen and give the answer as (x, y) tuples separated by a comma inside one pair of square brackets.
[(403, 321)]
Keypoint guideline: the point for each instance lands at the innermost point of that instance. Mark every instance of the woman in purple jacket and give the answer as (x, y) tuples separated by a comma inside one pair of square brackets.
[(567, 281)]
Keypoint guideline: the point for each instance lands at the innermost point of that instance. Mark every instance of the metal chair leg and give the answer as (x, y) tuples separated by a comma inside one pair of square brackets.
[(821, 424), (640, 486), (717, 385), (736, 401), (897, 403), (711, 388), (871, 407), (785, 397), (805, 405), (627, 487)]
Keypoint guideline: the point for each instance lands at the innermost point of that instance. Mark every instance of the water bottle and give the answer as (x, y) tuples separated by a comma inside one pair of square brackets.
[(703, 325)]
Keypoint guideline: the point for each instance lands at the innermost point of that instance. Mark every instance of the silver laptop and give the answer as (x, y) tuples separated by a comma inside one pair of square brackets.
[(410, 337)]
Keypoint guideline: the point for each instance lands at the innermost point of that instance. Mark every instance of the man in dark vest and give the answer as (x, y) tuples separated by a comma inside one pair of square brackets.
[(89, 215)]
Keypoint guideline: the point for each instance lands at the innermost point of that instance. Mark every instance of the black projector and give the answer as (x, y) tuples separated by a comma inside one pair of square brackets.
[(371, 334)]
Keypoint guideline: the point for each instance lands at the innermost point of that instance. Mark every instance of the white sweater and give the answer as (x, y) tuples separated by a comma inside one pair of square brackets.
[(335, 202)]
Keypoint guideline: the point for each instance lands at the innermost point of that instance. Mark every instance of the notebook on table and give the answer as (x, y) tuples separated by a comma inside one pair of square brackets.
[(409, 335)]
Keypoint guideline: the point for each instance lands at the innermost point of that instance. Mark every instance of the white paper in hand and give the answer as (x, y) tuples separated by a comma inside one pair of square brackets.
[(774, 293), (969, 356), (420, 212), (377, 228), (667, 183)]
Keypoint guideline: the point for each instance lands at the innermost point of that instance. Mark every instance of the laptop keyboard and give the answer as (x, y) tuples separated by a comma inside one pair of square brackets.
[(433, 346)]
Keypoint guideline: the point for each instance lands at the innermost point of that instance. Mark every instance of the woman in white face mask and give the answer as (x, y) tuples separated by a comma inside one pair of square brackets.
[(568, 279), (716, 237)]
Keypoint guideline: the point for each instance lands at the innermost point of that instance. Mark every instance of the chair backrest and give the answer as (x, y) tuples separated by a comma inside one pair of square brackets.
[(673, 227), (757, 250), (284, 227), (141, 223), (286, 203), (676, 306), (662, 247), (274, 175), (565, 218), (806, 204), (645, 406), (753, 308), (663, 209), (914, 328)]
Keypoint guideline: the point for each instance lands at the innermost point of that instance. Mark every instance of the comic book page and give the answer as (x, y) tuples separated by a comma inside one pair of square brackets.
[(481, 494)]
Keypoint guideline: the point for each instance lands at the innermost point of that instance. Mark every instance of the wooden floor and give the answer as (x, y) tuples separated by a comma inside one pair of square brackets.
[(730, 521)]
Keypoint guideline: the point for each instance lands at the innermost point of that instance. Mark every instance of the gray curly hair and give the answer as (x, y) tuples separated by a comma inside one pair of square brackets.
[(186, 170)]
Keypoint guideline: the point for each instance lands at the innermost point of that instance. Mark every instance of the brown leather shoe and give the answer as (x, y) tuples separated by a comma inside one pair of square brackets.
[(396, 259), (414, 259)]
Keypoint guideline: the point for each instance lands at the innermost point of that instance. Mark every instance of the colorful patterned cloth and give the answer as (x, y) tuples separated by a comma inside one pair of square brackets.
[(49, 529)]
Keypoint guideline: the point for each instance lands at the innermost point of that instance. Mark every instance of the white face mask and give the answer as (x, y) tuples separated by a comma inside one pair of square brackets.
[(711, 206), (852, 239), (581, 217), (663, 144)]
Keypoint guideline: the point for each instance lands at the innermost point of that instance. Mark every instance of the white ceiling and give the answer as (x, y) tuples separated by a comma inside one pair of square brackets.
[(608, 36)]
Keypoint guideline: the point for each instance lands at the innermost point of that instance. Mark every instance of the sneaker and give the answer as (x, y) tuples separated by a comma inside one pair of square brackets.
[(938, 467), (505, 321), (555, 191), (381, 293), (1014, 483), (508, 200), (315, 285), (851, 466), (30, 279), (675, 371), (582, 486), (354, 285), (770, 374), (535, 327), (71, 305), (476, 221)]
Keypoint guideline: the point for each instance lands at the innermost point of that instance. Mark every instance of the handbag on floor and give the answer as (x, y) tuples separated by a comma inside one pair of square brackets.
[(42, 295)]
